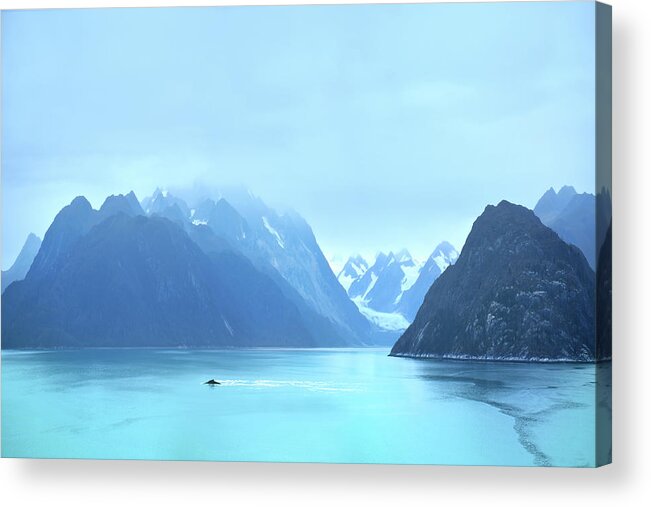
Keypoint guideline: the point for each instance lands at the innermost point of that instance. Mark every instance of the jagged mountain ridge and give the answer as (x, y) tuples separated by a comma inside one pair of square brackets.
[(73, 222), (353, 270), (133, 280), (381, 286), (281, 244), (572, 216), (391, 290)]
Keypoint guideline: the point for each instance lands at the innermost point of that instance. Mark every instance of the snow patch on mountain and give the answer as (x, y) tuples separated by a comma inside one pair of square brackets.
[(346, 281), (411, 275), (352, 270), (441, 262), (374, 279), (387, 321), (394, 285), (273, 232)]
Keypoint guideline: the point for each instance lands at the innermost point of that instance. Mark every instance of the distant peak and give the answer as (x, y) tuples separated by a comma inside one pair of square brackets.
[(223, 203), (109, 199), (357, 260), (226, 210), (125, 203), (566, 190), (80, 202), (160, 194), (32, 237), (207, 202), (445, 248), (403, 255)]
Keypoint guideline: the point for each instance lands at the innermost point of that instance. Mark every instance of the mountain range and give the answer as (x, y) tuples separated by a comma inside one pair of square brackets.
[(226, 270), (390, 291), (171, 275), (517, 291), (284, 247)]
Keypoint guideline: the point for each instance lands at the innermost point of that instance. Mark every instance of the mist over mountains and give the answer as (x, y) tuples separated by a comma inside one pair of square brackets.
[(223, 269), (167, 274)]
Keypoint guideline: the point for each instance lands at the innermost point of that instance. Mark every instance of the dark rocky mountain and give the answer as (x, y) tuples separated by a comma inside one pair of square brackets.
[(604, 298), (443, 256), (572, 216), (517, 292), (141, 281), (23, 262)]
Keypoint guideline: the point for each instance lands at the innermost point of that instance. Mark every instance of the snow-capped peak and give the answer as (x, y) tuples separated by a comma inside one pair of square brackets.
[(403, 255), (381, 289), (353, 270)]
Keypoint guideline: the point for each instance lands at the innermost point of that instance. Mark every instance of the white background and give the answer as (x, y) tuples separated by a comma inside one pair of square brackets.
[(626, 482)]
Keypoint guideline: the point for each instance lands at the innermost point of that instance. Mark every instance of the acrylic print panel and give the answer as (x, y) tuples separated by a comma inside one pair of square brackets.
[(340, 234)]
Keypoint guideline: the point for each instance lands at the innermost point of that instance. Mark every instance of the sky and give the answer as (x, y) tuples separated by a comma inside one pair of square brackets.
[(385, 126)]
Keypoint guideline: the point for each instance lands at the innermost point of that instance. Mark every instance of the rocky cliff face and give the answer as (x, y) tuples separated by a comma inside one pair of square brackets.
[(517, 292)]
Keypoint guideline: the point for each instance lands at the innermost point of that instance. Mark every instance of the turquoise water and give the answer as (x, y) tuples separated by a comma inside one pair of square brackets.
[(338, 405)]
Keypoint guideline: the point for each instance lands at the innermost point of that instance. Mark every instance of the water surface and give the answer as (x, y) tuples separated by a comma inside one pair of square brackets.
[(335, 405)]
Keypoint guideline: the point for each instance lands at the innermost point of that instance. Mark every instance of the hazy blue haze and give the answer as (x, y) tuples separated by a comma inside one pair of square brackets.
[(385, 126), (296, 405)]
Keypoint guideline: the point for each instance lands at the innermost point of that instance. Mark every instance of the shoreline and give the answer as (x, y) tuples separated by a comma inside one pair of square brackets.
[(493, 359)]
